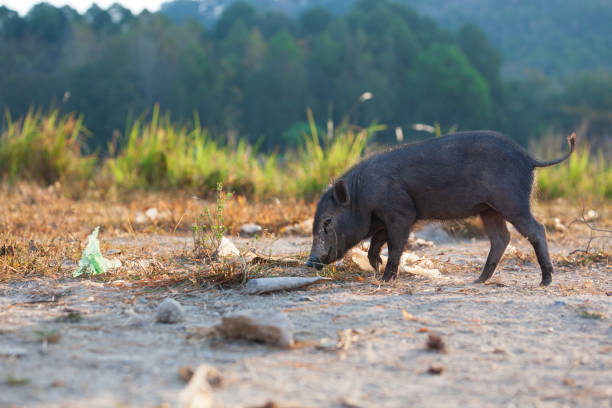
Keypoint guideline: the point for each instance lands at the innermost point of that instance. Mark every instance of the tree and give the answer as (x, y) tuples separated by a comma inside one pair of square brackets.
[(277, 93), (449, 90)]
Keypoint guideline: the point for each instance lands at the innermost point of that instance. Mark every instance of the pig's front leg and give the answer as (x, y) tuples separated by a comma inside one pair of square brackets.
[(398, 219), (376, 243)]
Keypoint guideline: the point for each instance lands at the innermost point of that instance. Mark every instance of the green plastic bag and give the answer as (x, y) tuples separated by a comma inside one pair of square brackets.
[(92, 262)]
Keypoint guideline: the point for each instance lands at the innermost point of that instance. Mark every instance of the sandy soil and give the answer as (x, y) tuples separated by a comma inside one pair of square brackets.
[(509, 343)]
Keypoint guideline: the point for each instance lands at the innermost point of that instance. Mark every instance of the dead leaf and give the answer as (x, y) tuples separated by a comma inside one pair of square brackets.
[(408, 316), (435, 369)]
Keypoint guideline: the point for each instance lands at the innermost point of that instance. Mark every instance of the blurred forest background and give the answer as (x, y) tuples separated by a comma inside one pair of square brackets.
[(249, 70)]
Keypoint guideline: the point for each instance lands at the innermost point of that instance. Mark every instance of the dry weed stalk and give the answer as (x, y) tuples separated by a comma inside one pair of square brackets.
[(593, 230)]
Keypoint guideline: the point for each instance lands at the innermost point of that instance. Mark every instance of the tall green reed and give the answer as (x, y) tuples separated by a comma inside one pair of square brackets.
[(45, 149)]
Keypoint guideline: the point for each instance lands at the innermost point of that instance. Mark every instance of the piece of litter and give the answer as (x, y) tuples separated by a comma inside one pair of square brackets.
[(270, 327), (264, 285), (92, 262)]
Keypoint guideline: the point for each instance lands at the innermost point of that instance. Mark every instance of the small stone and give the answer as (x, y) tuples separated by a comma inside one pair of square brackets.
[(591, 215), (250, 229), (558, 225), (305, 299), (169, 311), (270, 327), (32, 246), (68, 264), (227, 249), (140, 218), (12, 352), (434, 233), (302, 228)]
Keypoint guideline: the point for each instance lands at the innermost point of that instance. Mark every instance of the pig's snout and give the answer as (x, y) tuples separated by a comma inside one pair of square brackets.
[(314, 263)]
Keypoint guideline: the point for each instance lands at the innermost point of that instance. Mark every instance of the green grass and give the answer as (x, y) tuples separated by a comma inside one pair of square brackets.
[(159, 154), (45, 148), (584, 175)]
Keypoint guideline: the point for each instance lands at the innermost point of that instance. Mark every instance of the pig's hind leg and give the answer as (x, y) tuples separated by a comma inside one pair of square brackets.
[(376, 243), (497, 231), (531, 229)]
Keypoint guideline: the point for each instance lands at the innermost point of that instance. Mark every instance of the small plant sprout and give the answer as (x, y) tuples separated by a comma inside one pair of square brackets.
[(210, 227)]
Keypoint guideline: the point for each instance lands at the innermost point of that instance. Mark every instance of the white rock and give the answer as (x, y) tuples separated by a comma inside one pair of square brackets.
[(268, 326), (227, 249), (140, 218), (558, 225), (430, 273), (169, 311), (434, 233), (198, 393), (152, 213), (250, 229), (409, 258), (361, 259), (591, 215)]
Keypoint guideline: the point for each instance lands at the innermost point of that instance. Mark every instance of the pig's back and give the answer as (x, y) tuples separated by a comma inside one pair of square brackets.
[(459, 175)]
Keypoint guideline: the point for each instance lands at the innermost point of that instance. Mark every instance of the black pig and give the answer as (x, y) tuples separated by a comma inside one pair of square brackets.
[(455, 176)]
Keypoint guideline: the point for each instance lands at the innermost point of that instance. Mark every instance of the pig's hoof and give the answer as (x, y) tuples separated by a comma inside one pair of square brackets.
[(388, 277), (546, 282), (479, 280), (376, 264)]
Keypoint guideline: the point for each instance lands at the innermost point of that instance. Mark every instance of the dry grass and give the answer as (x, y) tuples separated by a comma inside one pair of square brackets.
[(42, 233)]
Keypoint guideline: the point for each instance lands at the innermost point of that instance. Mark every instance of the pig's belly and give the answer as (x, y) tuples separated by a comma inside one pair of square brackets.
[(445, 207)]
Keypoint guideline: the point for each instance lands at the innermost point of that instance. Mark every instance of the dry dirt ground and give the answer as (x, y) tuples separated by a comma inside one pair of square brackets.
[(94, 343)]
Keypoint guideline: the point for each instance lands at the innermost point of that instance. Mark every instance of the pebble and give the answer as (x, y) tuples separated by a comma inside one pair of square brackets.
[(8, 351), (250, 229), (169, 311), (305, 299)]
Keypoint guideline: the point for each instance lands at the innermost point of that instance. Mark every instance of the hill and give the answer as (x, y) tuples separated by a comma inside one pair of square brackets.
[(554, 38)]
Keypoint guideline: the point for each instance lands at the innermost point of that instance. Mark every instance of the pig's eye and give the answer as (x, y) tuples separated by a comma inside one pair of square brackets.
[(326, 224)]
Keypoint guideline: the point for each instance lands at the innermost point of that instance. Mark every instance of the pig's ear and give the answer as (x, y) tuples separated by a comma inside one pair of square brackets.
[(341, 193)]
